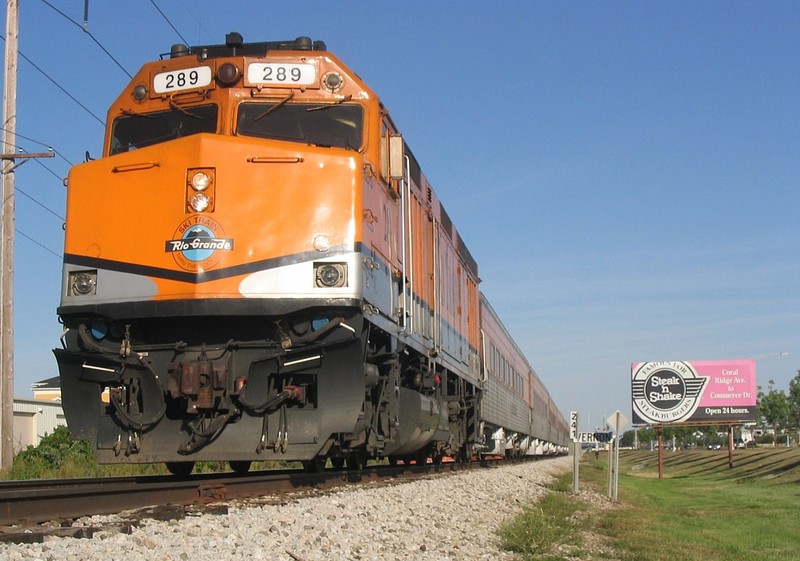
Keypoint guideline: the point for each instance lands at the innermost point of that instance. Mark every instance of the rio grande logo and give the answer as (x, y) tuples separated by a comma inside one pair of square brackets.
[(198, 244), (666, 392)]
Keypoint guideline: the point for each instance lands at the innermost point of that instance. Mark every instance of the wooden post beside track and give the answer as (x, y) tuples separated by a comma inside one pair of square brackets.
[(7, 240), (730, 447), (7, 235)]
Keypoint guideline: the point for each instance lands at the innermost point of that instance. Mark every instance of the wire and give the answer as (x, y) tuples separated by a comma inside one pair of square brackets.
[(72, 97), (51, 211), (169, 22), (59, 154), (85, 30), (44, 247), (200, 25), (22, 191)]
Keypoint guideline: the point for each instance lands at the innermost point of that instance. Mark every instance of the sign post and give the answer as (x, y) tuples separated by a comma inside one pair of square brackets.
[(619, 422), (610, 469), (573, 434)]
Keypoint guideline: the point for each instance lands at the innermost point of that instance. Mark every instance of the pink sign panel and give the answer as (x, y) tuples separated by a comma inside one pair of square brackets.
[(721, 391)]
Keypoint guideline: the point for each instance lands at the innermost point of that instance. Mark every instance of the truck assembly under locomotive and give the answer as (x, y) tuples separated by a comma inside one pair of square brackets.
[(257, 269)]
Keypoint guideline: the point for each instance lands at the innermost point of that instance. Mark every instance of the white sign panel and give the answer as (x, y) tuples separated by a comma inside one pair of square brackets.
[(617, 420), (595, 438), (573, 425), (184, 79), (281, 74)]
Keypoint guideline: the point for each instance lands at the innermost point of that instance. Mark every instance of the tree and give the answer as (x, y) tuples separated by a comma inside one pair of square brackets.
[(794, 402), (628, 438), (773, 408)]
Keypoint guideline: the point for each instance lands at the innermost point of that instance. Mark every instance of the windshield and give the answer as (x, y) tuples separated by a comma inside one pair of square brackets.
[(323, 125), (137, 130)]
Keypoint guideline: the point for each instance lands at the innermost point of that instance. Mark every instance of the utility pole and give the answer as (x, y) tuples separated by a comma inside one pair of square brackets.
[(8, 158), (7, 244)]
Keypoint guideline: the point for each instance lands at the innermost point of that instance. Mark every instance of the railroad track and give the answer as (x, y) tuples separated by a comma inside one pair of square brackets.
[(24, 504)]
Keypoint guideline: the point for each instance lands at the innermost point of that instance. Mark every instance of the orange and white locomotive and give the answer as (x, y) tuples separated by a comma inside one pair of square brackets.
[(258, 269)]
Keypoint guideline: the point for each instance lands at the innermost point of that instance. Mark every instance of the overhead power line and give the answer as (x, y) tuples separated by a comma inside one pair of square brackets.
[(86, 30), (200, 26), (44, 247), (17, 189), (56, 84), (44, 206), (40, 143), (167, 20)]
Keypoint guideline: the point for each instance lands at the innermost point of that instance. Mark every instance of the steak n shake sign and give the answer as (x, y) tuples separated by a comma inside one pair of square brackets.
[(680, 392)]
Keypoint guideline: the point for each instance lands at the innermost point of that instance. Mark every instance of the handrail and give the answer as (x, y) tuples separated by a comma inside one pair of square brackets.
[(409, 210), (275, 160), (135, 167)]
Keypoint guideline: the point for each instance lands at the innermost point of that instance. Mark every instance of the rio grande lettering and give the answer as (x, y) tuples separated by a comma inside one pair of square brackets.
[(199, 244)]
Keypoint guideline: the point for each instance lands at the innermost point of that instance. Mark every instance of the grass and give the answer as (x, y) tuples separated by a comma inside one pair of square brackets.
[(542, 527), (702, 509)]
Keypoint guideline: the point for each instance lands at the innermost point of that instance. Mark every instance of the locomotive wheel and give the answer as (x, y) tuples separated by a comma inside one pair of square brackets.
[(462, 457), (337, 463), (181, 469), (317, 465), (356, 461), (241, 467)]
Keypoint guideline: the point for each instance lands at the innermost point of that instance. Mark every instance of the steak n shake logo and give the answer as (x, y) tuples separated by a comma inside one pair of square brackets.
[(666, 392), (198, 243)]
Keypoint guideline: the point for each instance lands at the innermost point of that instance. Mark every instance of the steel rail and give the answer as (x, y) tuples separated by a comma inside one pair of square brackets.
[(32, 502)]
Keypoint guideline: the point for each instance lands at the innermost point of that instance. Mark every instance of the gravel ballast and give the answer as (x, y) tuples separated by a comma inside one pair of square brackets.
[(443, 517)]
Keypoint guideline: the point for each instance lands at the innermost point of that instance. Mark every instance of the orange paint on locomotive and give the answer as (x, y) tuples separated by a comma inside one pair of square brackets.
[(271, 197)]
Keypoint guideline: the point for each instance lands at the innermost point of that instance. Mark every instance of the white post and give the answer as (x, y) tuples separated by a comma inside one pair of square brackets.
[(616, 459)]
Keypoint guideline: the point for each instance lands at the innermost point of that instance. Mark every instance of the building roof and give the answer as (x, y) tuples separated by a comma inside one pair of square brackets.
[(49, 384)]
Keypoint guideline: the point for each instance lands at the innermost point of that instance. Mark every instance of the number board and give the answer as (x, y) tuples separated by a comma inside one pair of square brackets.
[(281, 74), (573, 425), (185, 79)]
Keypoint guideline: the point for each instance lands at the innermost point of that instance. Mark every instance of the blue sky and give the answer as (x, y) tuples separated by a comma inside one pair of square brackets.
[(625, 173)]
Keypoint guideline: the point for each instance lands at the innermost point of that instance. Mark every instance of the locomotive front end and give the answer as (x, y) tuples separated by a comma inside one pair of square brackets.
[(211, 291)]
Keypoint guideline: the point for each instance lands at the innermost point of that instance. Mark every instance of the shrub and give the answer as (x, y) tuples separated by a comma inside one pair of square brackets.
[(55, 453)]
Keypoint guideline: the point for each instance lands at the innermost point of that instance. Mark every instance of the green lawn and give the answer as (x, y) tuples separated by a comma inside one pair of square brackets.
[(701, 510)]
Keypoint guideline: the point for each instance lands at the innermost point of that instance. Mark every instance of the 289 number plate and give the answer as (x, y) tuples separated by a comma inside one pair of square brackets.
[(281, 74), (186, 79)]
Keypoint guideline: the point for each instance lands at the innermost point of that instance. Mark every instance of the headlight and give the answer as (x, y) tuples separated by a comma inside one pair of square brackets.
[(200, 189), (140, 92), (200, 181), (330, 275), (333, 82), (82, 283), (199, 202)]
